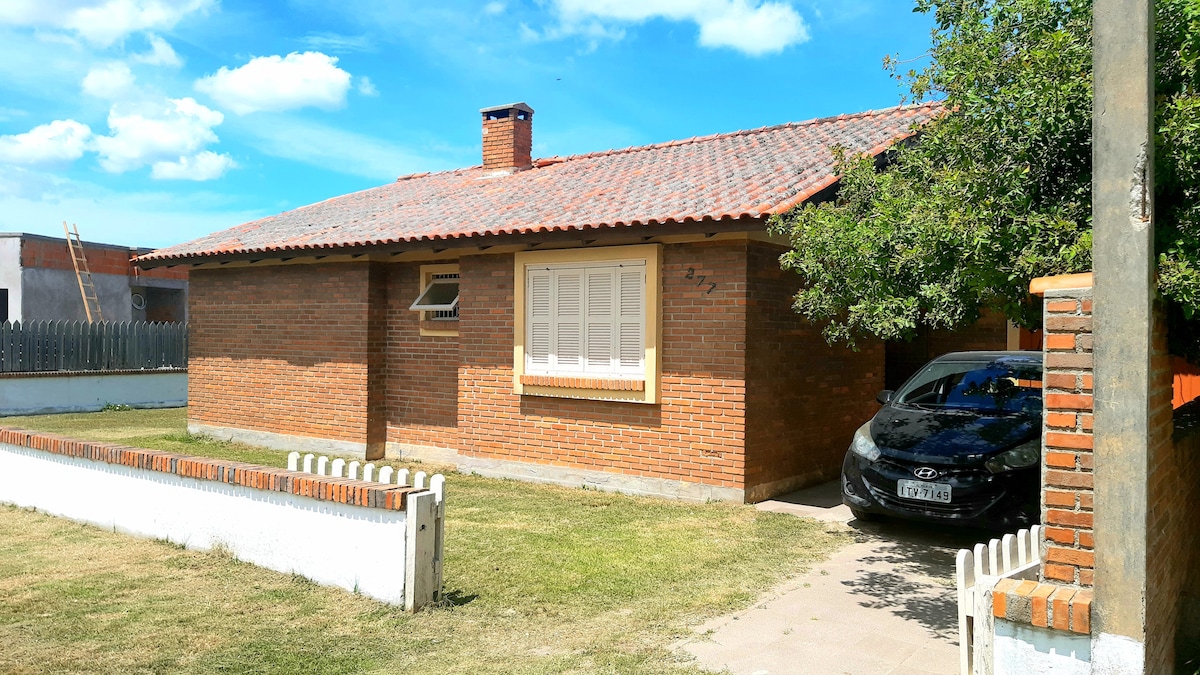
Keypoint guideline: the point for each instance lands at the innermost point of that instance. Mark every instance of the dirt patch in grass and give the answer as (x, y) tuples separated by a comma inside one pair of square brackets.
[(538, 580)]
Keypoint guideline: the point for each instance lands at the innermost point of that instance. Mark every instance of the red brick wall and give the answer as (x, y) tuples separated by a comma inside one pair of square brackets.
[(422, 372), (1067, 497), (697, 431), (53, 254), (282, 349), (1173, 501), (804, 398), (990, 333)]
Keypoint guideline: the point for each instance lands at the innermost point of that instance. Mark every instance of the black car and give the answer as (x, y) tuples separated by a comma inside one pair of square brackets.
[(959, 442)]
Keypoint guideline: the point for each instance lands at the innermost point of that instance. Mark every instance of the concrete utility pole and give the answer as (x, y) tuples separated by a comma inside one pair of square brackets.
[(1124, 294)]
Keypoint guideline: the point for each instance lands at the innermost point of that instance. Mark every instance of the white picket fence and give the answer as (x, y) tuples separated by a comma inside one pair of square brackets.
[(977, 571), (426, 518)]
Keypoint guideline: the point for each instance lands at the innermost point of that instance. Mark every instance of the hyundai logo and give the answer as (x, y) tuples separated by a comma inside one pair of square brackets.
[(925, 473)]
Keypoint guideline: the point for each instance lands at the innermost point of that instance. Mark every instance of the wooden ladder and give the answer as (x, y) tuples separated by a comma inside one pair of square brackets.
[(91, 303)]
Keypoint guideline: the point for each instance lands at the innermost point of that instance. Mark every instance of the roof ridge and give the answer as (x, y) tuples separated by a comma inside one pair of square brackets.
[(559, 159)]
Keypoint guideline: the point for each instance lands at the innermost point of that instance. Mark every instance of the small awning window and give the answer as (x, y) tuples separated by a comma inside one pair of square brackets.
[(441, 295)]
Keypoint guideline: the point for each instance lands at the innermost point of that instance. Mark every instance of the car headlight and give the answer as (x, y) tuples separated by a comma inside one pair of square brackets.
[(1020, 457), (863, 445)]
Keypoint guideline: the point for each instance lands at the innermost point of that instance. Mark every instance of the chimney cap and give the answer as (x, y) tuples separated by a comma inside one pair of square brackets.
[(511, 106)]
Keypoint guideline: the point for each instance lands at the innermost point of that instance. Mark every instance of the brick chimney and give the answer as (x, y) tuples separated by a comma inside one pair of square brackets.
[(507, 137)]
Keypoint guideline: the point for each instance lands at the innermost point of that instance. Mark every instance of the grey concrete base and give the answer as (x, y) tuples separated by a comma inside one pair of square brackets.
[(823, 502), (49, 393), (569, 477), (600, 480), (423, 453), (1117, 655), (267, 439), (766, 491)]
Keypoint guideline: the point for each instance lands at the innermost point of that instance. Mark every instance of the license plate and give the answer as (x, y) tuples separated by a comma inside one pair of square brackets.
[(922, 491)]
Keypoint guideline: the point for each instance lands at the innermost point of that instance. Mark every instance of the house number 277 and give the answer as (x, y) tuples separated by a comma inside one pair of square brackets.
[(691, 274)]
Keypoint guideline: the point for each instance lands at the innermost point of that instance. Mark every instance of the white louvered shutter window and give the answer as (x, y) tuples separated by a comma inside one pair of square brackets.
[(631, 321), (568, 322), (537, 353), (587, 320), (599, 322)]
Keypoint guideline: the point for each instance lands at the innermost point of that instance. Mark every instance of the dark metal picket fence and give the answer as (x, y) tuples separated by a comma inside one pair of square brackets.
[(41, 346)]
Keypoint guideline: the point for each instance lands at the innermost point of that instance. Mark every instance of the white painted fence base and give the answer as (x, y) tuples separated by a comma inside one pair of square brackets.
[(977, 571), (426, 528), (366, 550)]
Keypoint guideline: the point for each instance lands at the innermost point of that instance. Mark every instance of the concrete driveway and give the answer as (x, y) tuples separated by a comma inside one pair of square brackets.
[(884, 604)]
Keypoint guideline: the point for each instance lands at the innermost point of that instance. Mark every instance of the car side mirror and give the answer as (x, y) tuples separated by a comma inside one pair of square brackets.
[(884, 397)]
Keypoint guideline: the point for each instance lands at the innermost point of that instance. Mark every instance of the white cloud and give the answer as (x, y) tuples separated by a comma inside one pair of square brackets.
[(336, 149), (7, 114), (58, 142), (38, 202), (101, 22), (366, 87), (494, 8), (161, 54), (148, 133), (336, 42), (206, 165), (109, 81), (753, 27), (275, 83)]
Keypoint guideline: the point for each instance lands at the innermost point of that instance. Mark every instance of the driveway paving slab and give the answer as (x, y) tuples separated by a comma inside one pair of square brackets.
[(884, 604)]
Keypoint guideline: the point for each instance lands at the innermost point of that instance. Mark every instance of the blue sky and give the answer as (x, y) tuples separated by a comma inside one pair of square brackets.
[(152, 122)]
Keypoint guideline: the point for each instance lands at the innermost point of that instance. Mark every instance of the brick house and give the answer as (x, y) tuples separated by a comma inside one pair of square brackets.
[(615, 319)]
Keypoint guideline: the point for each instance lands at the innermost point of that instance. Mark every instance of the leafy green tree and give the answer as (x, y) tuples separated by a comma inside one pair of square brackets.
[(997, 190)]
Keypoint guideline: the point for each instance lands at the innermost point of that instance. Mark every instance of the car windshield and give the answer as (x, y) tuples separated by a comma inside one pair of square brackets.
[(986, 386)]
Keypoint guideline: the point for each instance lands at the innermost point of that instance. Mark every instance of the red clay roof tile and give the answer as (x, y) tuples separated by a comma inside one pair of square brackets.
[(749, 173)]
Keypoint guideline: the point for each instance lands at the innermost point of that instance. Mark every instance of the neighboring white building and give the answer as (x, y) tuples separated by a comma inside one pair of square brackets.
[(38, 282)]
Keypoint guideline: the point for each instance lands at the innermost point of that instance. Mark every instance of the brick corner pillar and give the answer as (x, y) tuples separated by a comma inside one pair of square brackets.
[(376, 384), (1067, 458)]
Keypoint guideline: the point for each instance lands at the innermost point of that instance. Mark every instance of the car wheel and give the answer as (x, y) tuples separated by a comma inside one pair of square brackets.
[(864, 516)]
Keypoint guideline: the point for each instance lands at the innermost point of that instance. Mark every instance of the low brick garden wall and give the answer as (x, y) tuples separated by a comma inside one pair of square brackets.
[(358, 535)]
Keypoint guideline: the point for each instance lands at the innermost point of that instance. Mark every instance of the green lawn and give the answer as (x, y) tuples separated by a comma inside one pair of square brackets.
[(538, 580)]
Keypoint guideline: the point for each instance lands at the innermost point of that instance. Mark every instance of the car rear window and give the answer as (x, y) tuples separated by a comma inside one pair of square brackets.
[(987, 386)]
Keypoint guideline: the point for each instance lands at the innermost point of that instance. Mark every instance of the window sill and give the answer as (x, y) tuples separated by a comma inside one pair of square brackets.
[(588, 383)]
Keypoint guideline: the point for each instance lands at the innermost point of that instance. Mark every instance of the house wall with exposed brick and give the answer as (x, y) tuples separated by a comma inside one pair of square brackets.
[(804, 398), (332, 352), (989, 333), (282, 350), (1173, 501), (695, 434), (422, 371), (51, 253)]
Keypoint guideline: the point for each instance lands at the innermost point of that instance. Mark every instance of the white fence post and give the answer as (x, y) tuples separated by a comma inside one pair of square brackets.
[(419, 552), (293, 461), (977, 571), (438, 485)]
